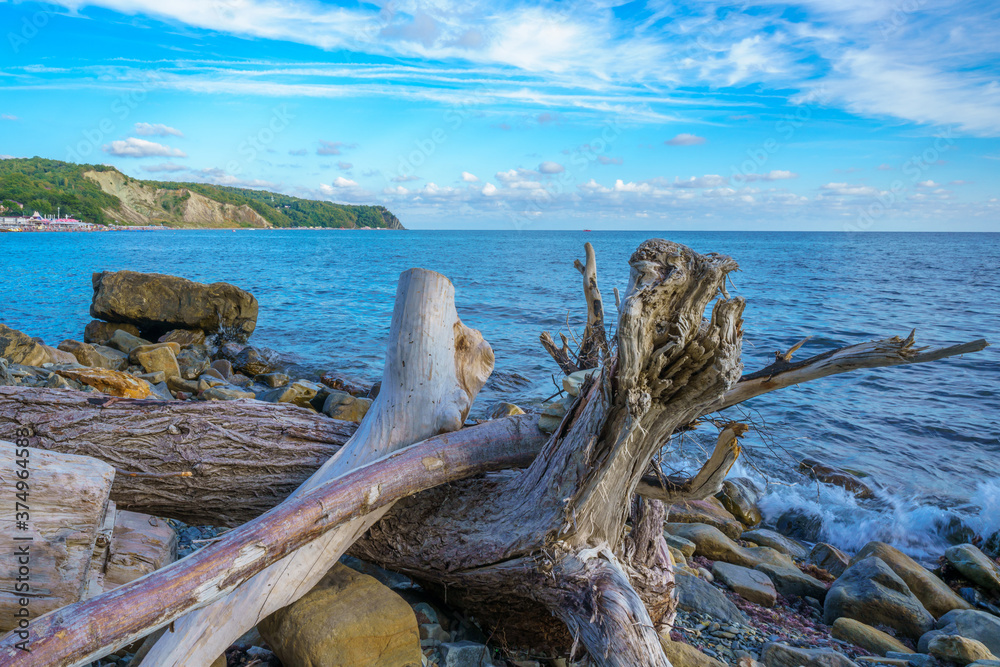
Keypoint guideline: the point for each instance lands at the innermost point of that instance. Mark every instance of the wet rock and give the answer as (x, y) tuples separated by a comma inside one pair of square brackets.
[(19, 348), (973, 624), (335, 380), (464, 654), (751, 585), (686, 547), (183, 337), (991, 545), (273, 380), (769, 538), (696, 595), (341, 405), (125, 342), (180, 384), (299, 393), (685, 655), (240, 380), (709, 512), (782, 655), (934, 594), (553, 413), (347, 619), (226, 394), (870, 592), (251, 361), (800, 524), (830, 558), (711, 543), (159, 303), (113, 383), (975, 566), (160, 390), (99, 333), (836, 477), (791, 581), (207, 381), (572, 382), (739, 496), (867, 637), (193, 361), (224, 366), (959, 650), (158, 357), (504, 409)]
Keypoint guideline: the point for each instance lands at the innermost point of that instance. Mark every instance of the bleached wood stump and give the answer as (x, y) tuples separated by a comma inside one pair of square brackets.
[(47, 539), (434, 368)]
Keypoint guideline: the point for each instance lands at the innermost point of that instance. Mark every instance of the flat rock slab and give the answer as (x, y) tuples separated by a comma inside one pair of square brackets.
[(769, 538), (867, 637), (697, 595), (791, 581), (782, 655), (749, 584)]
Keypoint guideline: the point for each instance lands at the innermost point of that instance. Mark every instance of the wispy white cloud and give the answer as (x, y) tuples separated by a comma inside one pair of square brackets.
[(551, 168), (8, 116), (156, 130), (469, 178), (164, 166), (685, 139), (135, 147)]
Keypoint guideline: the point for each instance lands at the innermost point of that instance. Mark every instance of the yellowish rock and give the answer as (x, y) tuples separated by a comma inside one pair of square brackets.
[(114, 383), (933, 593), (347, 620), (341, 405), (867, 637), (958, 649), (159, 357), (57, 356), (685, 655), (505, 410), (709, 512)]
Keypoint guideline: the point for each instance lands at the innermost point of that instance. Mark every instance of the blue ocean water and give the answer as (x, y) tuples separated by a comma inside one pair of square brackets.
[(929, 434)]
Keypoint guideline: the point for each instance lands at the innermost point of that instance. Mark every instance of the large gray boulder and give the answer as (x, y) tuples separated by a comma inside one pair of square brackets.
[(694, 594), (158, 303), (870, 592), (933, 593), (973, 624), (975, 566)]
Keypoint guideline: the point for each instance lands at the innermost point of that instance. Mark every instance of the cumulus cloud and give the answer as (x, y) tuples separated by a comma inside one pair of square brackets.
[(706, 181), (469, 178), (156, 130), (135, 147), (341, 182), (489, 189), (685, 139), (551, 168)]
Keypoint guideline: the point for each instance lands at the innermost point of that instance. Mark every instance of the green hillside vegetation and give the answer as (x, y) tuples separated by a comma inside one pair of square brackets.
[(45, 185)]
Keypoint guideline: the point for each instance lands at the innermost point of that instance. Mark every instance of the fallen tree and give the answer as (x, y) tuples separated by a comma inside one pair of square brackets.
[(200, 462), (80, 633), (550, 541)]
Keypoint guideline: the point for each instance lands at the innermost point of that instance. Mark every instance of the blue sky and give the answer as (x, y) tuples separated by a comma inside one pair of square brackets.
[(818, 115)]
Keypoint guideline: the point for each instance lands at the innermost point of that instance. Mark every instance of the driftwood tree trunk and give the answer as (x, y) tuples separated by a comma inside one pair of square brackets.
[(79, 633), (201, 462), (550, 540), (434, 368)]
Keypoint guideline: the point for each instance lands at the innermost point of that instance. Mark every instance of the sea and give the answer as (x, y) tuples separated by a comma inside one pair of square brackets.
[(926, 437)]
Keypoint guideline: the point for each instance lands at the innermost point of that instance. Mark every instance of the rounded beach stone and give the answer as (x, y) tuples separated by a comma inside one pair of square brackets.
[(975, 566), (959, 650), (347, 620), (934, 594), (870, 592)]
